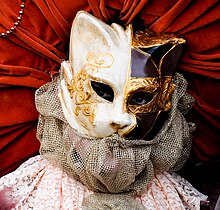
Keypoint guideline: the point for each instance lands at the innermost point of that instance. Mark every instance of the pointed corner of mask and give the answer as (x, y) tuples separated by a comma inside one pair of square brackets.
[(66, 72)]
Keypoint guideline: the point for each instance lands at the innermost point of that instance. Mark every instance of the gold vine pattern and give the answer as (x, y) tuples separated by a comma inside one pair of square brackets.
[(82, 97), (80, 89), (149, 84), (94, 62)]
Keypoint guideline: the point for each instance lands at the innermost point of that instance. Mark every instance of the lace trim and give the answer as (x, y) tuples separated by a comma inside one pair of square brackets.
[(38, 185)]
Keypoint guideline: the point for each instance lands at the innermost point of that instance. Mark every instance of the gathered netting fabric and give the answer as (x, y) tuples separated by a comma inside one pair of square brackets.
[(112, 164)]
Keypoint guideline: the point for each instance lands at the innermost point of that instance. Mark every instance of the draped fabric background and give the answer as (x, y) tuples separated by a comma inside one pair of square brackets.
[(30, 56)]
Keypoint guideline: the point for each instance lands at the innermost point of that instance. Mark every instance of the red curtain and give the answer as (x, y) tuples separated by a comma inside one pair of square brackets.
[(30, 56)]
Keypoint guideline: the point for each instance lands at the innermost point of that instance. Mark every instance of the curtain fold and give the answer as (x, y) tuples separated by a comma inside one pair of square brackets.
[(166, 19)]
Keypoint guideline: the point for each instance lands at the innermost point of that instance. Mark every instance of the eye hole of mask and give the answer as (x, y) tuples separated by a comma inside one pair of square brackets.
[(140, 98), (103, 90)]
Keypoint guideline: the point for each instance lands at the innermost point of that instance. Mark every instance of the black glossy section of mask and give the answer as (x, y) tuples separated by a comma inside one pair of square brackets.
[(103, 90), (171, 61), (159, 122), (148, 126), (136, 133), (145, 123), (142, 65), (158, 52)]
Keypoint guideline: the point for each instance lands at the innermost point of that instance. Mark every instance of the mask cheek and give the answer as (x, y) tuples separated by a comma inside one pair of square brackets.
[(84, 118), (102, 120)]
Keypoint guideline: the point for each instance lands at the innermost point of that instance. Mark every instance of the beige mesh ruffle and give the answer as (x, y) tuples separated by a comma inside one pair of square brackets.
[(113, 164)]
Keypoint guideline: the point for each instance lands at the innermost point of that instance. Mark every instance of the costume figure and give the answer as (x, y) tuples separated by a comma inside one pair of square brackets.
[(105, 143)]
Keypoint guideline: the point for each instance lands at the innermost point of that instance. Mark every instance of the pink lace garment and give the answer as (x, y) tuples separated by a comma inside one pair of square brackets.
[(39, 185)]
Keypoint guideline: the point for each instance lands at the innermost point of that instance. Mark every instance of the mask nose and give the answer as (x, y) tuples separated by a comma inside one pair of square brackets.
[(122, 122)]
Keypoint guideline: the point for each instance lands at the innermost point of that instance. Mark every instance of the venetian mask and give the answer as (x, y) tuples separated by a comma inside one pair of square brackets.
[(117, 80)]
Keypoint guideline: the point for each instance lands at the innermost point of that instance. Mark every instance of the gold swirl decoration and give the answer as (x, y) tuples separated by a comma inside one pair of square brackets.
[(94, 62), (80, 89)]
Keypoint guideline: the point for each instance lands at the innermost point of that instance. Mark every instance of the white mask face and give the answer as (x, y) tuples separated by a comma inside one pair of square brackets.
[(114, 82), (93, 102)]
